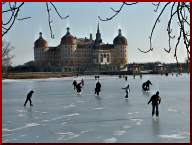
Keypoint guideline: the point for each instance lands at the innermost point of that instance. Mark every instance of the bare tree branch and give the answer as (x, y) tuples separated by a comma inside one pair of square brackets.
[(117, 11), (169, 30), (6, 49), (154, 26), (49, 20), (176, 47), (58, 12), (20, 19), (156, 6), (14, 15), (179, 11), (49, 16), (146, 50), (11, 12)]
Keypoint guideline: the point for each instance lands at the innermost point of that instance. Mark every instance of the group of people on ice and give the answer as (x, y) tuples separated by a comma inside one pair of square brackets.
[(155, 99), (78, 86)]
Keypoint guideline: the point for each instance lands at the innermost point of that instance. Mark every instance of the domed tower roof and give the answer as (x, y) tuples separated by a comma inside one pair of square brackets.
[(68, 39), (120, 39), (40, 43)]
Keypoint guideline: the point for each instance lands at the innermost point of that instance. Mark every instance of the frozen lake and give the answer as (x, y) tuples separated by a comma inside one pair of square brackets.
[(60, 115)]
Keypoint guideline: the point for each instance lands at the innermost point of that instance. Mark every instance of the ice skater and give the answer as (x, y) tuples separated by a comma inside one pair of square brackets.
[(82, 82), (98, 88), (97, 77), (29, 95), (156, 100), (74, 84), (125, 78), (78, 88), (146, 85), (126, 90)]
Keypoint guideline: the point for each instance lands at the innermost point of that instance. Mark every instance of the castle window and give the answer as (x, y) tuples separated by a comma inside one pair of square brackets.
[(101, 59), (107, 57)]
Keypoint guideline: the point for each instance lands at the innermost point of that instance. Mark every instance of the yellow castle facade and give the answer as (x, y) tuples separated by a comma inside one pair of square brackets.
[(83, 53)]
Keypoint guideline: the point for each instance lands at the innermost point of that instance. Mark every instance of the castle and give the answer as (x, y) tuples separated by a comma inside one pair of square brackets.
[(74, 54)]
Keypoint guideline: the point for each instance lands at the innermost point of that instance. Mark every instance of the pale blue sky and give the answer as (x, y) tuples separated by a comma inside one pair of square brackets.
[(135, 21)]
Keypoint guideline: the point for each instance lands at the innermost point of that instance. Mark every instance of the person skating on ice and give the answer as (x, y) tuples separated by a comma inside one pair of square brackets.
[(156, 100), (28, 98)]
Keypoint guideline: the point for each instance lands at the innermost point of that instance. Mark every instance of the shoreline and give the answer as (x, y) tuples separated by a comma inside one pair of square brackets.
[(37, 75), (46, 75)]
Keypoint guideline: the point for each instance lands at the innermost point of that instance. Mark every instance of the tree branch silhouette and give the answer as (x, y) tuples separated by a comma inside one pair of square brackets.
[(117, 11), (11, 11), (179, 11)]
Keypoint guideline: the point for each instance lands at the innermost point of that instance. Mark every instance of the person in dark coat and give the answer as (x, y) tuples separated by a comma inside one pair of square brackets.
[(74, 84), (98, 88), (126, 90), (82, 82), (156, 100), (29, 95), (146, 85), (78, 87)]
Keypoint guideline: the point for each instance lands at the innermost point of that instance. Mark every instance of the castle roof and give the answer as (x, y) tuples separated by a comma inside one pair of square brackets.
[(68, 39), (40, 42), (105, 46), (120, 39)]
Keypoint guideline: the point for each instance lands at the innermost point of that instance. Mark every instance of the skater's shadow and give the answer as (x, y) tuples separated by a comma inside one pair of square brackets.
[(146, 93), (28, 109), (126, 100), (79, 95), (29, 112), (98, 98), (156, 126)]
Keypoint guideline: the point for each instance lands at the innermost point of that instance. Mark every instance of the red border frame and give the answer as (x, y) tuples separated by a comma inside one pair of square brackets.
[(98, 1), (1, 83), (92, 1)]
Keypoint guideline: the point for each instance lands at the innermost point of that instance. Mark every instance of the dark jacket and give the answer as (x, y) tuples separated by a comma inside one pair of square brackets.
[(98, 87), (74, 83), (155, 99), (29, 95), (148, 82)]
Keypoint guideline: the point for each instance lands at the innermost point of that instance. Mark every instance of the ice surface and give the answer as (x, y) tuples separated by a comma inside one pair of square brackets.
[(60, 115), (110, 140)]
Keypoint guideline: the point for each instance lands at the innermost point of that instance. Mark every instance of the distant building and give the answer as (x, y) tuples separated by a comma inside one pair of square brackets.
[(73, 54), (135, 68), (160, 69)]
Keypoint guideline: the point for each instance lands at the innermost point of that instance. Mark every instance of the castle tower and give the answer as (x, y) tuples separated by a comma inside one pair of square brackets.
[(90, 37), (121, 49), (39, 48), (98, 39), (68, 47)]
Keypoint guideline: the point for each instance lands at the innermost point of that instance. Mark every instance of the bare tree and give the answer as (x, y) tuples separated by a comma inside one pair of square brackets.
[(6, 56), (11, 11), (179, 11)]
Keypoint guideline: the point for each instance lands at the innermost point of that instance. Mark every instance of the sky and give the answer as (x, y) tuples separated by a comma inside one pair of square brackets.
[(135, 21)]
